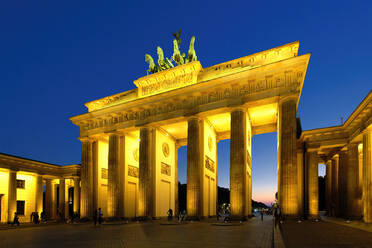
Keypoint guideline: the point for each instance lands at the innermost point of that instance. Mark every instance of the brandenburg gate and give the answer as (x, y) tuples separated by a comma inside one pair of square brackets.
[(130, 140)]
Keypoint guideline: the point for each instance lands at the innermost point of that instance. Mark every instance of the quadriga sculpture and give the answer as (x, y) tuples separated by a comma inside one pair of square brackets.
[(177, 57)]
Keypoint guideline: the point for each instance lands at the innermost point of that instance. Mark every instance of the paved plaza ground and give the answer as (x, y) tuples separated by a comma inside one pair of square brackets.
[(323, 234), (253, 233)]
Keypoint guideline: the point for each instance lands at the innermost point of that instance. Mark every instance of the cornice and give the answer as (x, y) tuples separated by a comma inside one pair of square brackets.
[(22, 164), (207, 86)]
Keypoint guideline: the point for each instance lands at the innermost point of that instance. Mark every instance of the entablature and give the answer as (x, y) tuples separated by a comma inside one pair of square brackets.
[(329, 141), (277, 79), (22, 164)]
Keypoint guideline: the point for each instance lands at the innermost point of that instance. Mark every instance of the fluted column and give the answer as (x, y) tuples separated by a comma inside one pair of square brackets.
[(352, 181), (88, 152), (39, 194), (194, 167), (329, 186), (76, 195), (217, 140), (312, 180), (301, 181), (335, 199), (360, 186), (176, 210), (367, 176), (62, 197), (238, 161), (94, 181), (12, 194), (49, 198), (342, 181), (287, 158), (146, 173), (116, 176)]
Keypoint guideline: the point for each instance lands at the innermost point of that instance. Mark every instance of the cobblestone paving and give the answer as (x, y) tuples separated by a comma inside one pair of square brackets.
[(323, 234), (254, 233)]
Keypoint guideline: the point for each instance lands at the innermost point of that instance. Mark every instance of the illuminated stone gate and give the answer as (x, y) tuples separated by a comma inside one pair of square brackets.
[(130, 140)]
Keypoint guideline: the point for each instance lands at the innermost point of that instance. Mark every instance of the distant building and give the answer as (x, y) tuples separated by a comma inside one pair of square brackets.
[(21, 188)]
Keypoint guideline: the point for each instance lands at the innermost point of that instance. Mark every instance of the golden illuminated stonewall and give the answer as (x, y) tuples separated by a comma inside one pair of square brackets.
[(188, 105), (130, 140), (195, 106), (21, 188)]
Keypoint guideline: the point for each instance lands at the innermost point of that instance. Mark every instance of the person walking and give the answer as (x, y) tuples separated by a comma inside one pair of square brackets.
[(262, 213), (276, 216), (16, 219), (35, 217), (95, 217), (183, 215), (43, 217), (170, 214), (100, 216)]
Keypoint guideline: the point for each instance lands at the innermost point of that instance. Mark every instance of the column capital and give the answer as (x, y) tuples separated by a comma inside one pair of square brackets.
[(360, 148), (367, 131), (336, 156), (194, 117), (240, 108), (149, 128), (87, 139), (114, 132), (287, 99)]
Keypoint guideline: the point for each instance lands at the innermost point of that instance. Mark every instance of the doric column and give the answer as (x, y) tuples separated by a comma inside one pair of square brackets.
[(367, 176), (88, 153), (85, 163), (329, 186), (300, 180), (287, 158), (54, 201), (49, 198), (62, 197), (94, 177), (76, 195), (342, 181), (194, 167), (12, 194), (39, 194), (116, 176), (217, 140), (146, 173), (335, 199), (238, 161), (352, 182), (176, 210), (312, 180)]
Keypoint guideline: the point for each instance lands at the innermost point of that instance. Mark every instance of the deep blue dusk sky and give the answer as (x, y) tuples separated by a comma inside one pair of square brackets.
[(54, 57)]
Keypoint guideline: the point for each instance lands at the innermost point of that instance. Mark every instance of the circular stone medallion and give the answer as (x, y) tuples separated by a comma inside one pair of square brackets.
[(165, 149)]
